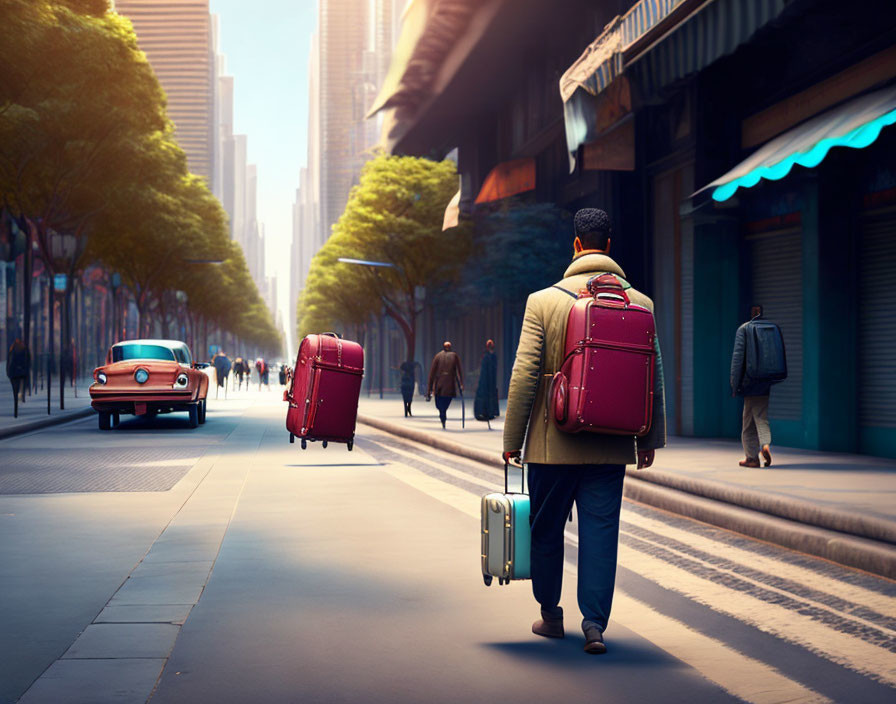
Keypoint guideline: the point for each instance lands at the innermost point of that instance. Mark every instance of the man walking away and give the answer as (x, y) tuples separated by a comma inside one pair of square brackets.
[(585, 469), (18, 366), (756, 435), (445, 375)]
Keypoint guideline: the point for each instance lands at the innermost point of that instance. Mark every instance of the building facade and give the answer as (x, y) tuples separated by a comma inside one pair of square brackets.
[(176, 36), (660, 109)]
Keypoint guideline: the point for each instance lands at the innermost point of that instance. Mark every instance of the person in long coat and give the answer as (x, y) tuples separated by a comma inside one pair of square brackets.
[(485, 406), (408, 371), (222, 365), (446, 375), (18, 366)]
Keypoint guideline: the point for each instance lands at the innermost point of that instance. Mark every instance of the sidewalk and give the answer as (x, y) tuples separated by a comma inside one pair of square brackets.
[(33, 413), (836, 497)]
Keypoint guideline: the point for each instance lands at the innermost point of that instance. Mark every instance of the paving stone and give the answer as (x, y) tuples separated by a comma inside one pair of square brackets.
[(123, 640), (96, 681), (154, 613)]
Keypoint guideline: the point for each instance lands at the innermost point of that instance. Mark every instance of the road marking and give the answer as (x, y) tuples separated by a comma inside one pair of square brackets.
[(742, 676)]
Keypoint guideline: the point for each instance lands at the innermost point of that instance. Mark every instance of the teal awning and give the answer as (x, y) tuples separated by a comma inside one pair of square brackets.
[(854, 124)]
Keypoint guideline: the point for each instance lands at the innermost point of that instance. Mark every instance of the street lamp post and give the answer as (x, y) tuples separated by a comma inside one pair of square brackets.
[(375, 267)]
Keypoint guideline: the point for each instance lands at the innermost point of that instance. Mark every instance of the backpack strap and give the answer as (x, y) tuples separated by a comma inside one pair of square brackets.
[(566, 291)]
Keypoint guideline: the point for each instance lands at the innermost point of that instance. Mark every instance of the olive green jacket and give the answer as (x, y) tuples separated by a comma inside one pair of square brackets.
[(538, 357)]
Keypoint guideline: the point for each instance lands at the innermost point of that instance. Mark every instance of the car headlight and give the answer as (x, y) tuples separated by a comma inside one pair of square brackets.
[(101, 377), (182, 381), (141, 376)]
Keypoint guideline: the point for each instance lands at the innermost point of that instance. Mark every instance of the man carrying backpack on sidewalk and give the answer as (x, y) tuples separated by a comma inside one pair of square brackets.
[(585, 468), (758, 361)]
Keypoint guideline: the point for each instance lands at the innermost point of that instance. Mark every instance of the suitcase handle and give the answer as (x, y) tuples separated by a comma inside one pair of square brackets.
[(607, 283), (522, 477)]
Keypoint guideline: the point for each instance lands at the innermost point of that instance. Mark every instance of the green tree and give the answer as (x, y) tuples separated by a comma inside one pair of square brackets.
[(394, 215)]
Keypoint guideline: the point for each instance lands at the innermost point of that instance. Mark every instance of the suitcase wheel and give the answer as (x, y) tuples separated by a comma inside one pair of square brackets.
[(292, 438), (324, 443), (351, 444), (487, 578), (304, 443)]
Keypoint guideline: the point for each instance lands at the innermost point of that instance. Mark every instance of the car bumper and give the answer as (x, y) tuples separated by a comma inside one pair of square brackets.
[(136, 403)]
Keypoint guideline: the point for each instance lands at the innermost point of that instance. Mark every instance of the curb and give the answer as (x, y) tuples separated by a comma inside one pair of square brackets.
[(743, 511), (871, 556), (45, 422)]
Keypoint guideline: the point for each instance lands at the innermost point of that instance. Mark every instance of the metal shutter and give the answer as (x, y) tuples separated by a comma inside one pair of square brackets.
[(877, 331), (777, 274)]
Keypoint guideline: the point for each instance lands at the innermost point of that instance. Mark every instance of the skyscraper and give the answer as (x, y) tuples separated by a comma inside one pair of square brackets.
[(176, 36)]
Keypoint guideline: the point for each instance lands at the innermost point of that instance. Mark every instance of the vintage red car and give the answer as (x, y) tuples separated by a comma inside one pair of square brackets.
[(146, 377)]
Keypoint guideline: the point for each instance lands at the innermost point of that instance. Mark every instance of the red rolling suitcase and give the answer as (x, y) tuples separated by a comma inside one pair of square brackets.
[(323, 394), (605, 383)]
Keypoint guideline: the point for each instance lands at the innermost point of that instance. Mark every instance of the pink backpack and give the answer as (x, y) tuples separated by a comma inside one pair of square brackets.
[(605, 382)]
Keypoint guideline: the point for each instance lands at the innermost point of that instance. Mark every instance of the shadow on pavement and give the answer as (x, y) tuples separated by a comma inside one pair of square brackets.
[(336, 464), (568, 653)]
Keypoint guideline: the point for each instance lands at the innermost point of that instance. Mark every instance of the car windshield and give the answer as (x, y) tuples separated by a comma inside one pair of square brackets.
[(182, 355), (138, 351)]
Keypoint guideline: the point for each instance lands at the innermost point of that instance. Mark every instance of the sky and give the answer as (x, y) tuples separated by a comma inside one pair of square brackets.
[(266, 45)]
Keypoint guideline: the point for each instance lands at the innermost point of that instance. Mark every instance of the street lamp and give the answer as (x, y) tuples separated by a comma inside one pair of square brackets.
[(374, 267)]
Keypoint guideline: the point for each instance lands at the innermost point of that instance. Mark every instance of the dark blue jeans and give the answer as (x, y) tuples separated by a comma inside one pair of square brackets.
[(597, 492), (442, 403)]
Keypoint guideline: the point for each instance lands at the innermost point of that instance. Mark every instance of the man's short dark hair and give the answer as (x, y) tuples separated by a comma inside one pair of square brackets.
[(592, 228)]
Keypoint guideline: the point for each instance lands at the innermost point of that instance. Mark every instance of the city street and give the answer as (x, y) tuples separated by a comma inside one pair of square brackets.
[(223, 564)]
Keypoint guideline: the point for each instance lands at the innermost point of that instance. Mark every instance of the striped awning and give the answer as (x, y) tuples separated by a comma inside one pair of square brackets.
[(598, 65), (643, 17), (715, 29), (854, 124)]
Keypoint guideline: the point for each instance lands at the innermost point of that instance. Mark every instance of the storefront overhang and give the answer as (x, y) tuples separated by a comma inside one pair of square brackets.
[(507, 179), (656, 43), (855, 124), (452, 213), (438, 40)]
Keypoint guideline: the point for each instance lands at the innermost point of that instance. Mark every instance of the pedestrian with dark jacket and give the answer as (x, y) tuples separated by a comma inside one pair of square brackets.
[(485, 405), (446, 376), (756, 434), (585, 469), (408, 371), (18, 367)]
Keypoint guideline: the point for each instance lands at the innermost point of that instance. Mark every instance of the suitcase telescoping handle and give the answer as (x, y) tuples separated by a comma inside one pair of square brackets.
[(522, 468)]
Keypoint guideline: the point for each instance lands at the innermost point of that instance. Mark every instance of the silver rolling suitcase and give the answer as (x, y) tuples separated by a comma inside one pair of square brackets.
[(506, 536)]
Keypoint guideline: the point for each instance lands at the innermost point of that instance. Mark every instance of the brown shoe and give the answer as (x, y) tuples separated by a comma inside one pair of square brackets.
[(766, 455), (550, 625), (749, 462), (594, 641)]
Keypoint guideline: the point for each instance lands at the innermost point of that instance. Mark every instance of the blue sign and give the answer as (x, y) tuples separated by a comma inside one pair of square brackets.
[(59, 283), (211, 350)]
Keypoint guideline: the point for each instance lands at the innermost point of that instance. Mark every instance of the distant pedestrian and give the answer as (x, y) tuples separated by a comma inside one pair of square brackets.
[(446, 376), (485, 405), (262, 368), (282, 375), (222, 364), (240, 369), (70, 364), (18, 366), (408, 371), (756, 434)]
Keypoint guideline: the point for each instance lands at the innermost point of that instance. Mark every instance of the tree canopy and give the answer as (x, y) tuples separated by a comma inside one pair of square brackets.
[(87, 150), (394, 216)]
